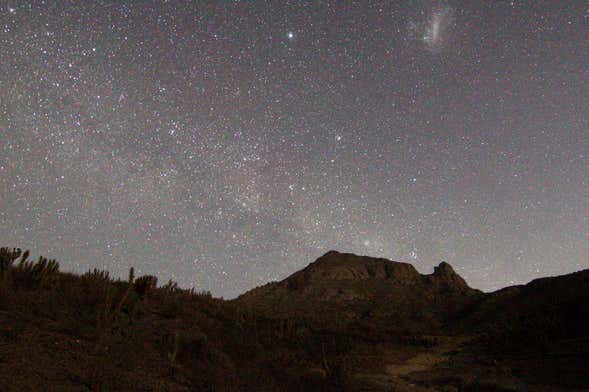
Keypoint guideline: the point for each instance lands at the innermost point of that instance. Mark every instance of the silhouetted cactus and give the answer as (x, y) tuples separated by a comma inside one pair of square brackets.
[(30, 273), (39, 273), (175, 348), (124, 298), (145, 284), (200, 293), (97, 275), (171, 286), (8, 257), (109, 315)]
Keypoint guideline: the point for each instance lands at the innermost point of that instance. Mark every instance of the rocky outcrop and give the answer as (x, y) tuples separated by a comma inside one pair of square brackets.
[(347, 284), (445, 275), (335, 266)]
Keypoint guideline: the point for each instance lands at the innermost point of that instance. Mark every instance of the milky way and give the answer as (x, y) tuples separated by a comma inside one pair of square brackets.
[(224, 145)]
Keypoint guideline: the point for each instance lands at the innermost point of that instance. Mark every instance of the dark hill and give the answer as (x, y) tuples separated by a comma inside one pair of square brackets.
[(536, 314), (344, 323), (372, 290)]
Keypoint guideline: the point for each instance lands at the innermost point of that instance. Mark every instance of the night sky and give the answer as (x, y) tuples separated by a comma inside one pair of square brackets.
[(227, 144)]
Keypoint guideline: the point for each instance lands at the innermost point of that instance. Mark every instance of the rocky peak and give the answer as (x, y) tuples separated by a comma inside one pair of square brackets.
[(444, 269), (346, 266), (348, 287), (445, 273)]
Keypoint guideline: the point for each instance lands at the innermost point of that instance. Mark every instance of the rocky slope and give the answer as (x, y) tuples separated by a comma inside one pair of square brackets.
[(371, 290)]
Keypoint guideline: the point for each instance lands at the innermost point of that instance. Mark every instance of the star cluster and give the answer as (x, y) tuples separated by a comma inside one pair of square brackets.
[(227, 144)]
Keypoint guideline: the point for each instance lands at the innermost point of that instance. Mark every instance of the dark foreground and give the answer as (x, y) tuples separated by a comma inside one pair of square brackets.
[(343, 323)]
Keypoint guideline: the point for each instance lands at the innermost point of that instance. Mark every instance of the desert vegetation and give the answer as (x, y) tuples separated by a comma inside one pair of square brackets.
[(61, 331)]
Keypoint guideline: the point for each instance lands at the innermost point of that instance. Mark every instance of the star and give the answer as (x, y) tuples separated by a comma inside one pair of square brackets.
[(163, 130)]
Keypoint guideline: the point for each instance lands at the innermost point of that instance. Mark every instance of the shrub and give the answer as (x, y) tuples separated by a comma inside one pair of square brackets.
[(145, 284)]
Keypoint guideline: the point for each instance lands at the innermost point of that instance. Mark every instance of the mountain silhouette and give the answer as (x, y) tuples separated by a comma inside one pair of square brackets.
[(368, 290), (343, 323)]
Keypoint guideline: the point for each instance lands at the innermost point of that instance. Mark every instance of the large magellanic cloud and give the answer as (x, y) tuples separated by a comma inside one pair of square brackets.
[(438, 26), (433, 26)]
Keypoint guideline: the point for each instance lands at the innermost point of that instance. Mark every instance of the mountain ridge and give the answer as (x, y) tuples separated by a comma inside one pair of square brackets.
[(343, 323), (375, 290), (335, 265)]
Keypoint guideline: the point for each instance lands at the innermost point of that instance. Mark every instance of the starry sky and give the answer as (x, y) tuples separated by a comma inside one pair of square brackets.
[(227, 144)]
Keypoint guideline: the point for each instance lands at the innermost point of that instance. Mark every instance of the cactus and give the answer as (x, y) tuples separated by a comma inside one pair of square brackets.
[(8, 257), (32, 273), (40, 272), (171, 286), (110, 316), (174, 353), (96, 274), (117, 311), (145, 284)]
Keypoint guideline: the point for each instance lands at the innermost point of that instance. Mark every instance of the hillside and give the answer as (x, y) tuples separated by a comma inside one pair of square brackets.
[(345, 322), (371, 291)]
